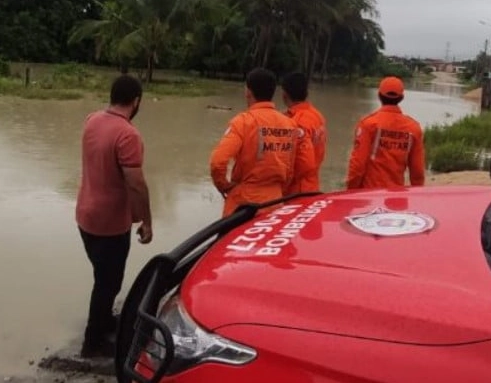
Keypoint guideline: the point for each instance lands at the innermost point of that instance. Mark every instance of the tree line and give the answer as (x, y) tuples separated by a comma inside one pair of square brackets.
[(213, 37)]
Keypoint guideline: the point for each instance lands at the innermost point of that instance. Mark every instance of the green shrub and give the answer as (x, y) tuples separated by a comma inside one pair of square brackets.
[(398, 70), (456, 147), (472, 130), (383, 67), (452, 157)]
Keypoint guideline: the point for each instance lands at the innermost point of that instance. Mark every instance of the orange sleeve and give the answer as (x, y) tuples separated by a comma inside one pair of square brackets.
[(416, 161), (227, 149), (360, 156), (321, 147), (304, 156)]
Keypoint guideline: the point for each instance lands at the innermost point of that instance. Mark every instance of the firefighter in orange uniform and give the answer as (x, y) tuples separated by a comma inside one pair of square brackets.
[(262, 142), (313, 123), (387, 143)]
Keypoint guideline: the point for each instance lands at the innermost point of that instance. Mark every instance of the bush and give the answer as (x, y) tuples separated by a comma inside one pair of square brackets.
[(397, 70), (471, 130), (459, 146), (452, 157), (383, 67)]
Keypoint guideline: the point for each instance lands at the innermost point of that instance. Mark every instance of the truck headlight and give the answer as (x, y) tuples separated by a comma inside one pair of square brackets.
[(192, 344)]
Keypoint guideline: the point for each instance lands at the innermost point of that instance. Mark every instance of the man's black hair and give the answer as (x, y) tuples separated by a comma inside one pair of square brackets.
[(296, 86), (390, 100), (262, 83), (124, 90)]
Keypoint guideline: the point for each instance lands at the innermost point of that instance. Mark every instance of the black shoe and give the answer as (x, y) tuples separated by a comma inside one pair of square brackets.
[(103, 349)]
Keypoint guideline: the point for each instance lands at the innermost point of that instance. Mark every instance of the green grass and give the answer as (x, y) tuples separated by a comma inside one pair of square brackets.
[(183, 86), (458, 146), (73, 81), (454, 157), (469, 84), (16, 87), (370, 82)]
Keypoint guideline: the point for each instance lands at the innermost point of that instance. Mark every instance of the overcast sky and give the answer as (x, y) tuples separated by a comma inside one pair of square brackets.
[(423, 27)]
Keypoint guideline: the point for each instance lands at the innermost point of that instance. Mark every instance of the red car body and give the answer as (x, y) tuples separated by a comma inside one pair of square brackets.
[(320, 300)]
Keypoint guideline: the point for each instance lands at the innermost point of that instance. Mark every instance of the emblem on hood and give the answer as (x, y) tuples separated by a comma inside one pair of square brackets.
[(384, 222)]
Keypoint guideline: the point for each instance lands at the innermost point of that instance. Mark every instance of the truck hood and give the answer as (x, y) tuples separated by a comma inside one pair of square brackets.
[(431, 288)]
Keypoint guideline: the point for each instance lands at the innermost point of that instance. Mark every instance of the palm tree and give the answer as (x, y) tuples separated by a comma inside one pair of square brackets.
[(321, 15), (314, 23), (215, 22), (228, 34), (104, 31), (135, 28), (261, 15), (357, 16)]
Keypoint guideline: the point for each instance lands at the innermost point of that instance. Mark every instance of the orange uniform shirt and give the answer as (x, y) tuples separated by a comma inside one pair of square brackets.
[(313, 124), (387, 143), (262, 142), (109, 142)]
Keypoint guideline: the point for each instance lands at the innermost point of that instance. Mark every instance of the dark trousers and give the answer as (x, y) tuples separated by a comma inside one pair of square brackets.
[(108, 257)]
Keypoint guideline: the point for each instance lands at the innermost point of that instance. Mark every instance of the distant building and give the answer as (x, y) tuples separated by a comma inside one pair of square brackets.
[(436, 65), (396, 59), (459, 69)]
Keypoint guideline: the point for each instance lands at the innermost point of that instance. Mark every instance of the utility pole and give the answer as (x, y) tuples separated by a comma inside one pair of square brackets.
[(486, 82), (447, 52), (486, 78), (486, 61)]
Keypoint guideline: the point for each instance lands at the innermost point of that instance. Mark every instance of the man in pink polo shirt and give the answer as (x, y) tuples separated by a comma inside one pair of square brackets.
[(113, 195)]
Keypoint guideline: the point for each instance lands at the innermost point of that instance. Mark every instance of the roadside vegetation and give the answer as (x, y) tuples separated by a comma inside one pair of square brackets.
[(71, 81), (327, 39), (475, 70), (469, 81), (199, 39), (215, 38), (464, 145)]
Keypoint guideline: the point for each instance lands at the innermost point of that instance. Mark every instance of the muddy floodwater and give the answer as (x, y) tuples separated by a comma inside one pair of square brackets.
[(45, 278)]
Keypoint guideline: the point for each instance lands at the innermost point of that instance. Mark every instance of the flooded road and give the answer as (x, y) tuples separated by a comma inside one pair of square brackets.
[(45, 278)]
